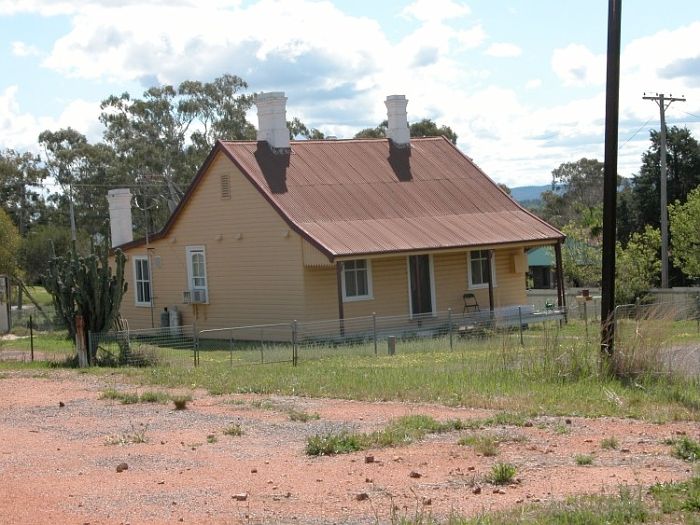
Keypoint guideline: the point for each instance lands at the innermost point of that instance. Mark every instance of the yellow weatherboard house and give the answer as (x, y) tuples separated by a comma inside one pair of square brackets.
[(275, 230)]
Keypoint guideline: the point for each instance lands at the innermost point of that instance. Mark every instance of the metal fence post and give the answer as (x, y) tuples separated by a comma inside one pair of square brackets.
[(31, 338), (585, 317), (520, 325), (449, 324), (294, 343), (374, 331), (195, 335)]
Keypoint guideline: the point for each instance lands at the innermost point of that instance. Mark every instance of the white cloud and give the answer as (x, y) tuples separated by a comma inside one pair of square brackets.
[(337, 80), (436, 10), (21, 49), (504, 50), (20, 130), (576, 65)]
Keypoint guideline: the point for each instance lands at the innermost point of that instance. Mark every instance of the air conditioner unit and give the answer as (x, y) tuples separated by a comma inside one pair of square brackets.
[(194, 297)]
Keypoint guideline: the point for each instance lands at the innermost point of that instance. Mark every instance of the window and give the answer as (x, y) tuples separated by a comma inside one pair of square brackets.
[(357, 280), (478, 269), (197, 269), (142, 280)]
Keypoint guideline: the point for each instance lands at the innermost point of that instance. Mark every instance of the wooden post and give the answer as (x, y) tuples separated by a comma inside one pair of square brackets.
[(561, 294), (83, 360), (489, 274), (339, 279)]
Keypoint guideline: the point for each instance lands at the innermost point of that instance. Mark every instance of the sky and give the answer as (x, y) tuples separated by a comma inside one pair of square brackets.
[(521, 82)]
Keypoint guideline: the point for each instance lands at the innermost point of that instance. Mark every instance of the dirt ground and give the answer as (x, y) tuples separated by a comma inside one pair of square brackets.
[(60, 446)]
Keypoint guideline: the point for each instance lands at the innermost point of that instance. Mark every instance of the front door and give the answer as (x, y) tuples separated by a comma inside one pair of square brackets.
[(420, 284)]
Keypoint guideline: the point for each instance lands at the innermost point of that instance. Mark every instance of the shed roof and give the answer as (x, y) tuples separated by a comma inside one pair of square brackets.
[(367, 196)]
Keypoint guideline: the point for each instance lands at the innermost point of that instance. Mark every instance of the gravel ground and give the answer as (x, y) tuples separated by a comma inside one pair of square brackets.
[(57, 464)]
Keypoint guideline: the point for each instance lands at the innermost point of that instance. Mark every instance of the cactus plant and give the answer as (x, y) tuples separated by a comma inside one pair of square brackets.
[(86, 286)]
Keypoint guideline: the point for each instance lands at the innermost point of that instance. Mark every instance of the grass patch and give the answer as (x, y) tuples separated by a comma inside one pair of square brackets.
[(554, 373), (211, 438), (234, 430), (627, 507), (125, 398), (584, 459), (154, 397), (474, 374), (502, 473), (609, 443), (137, 434), (686, 449), (487, 446), (302, 416), (130, 398), (678, 497), (400, 431), (331, 444)]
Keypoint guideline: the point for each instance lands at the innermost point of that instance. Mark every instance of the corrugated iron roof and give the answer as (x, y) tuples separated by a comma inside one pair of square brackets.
[(366, 196), (362, 197)]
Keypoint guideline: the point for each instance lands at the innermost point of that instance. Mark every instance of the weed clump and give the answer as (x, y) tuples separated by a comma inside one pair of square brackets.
[(584, 459), (502, 473), (686, 449), (233, 429), (180, 402), (609, 443)]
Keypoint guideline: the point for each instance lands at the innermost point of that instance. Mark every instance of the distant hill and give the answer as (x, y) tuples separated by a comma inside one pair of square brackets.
[(529, 193)]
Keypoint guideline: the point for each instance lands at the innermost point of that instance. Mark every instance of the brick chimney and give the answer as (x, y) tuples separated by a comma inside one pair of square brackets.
[(398, 130), (120, 223), (272, 119)]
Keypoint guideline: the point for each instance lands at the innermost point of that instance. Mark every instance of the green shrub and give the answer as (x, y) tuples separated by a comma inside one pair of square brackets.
[(584, 459), (300, 415), (686, 449), (485, 445), (233, 430), (609, 443), (180, 402), (330, 444), (502, 473)]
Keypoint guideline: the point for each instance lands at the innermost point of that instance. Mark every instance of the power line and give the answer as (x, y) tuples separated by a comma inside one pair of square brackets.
[(634, 134)]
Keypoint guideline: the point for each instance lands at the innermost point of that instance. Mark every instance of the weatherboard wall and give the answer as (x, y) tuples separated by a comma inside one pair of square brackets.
[(253, 259)]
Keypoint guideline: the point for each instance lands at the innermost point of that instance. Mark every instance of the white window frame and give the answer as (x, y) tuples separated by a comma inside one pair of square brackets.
[(472, 285), (140, 259), (433, 299), (370, 293), (190, 251)]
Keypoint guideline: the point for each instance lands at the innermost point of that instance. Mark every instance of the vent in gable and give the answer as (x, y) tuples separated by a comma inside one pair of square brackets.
[(225, 186)]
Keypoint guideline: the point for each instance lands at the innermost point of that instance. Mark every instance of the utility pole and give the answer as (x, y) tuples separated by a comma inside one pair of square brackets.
[(664, 102), (612, 105)]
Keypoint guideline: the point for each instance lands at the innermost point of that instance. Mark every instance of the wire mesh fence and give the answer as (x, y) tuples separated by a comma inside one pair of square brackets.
[(169, 346), (368, 335), (658, 338), (35, 335)]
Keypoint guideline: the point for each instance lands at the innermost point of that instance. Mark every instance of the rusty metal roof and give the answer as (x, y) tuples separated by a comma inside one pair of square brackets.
[(367, 196), (363, 197)]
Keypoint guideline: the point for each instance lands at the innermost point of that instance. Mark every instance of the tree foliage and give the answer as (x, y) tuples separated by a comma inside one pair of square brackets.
[(682, 168), (685, 234), (87, 287), (21, 178), (581, 258), (162, 139), (576, 195), (637, 266), (9, 245), (44, 242), (422, 128)]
